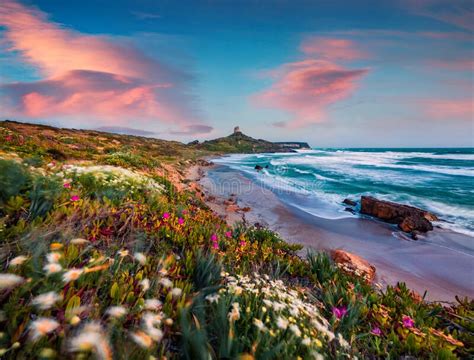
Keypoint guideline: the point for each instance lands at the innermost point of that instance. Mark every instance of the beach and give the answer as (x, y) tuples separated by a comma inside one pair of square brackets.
[(440, 262)]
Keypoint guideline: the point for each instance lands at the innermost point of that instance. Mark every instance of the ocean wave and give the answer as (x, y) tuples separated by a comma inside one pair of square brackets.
[(329, 176)]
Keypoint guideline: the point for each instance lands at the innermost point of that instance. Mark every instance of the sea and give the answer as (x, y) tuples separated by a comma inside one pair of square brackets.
[(316, 181)]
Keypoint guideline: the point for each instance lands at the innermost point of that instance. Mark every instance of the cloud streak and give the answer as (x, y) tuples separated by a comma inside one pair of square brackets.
[(90, 75), (308, 87)]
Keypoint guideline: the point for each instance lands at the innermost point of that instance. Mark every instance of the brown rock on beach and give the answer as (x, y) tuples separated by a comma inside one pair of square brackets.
[(354, 264), (408, 218)]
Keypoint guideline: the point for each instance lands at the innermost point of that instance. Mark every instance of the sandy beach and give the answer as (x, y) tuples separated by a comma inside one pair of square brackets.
[(437, 262)]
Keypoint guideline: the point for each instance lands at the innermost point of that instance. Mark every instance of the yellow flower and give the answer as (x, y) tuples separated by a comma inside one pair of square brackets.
[(55, 246)]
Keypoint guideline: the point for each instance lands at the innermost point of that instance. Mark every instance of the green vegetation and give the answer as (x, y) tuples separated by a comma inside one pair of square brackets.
[(104, 257), (240, 143)]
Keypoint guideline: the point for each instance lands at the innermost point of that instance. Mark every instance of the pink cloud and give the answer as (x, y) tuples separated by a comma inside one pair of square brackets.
[(449, 109), (89, 75), (332, 49), (308, 87)]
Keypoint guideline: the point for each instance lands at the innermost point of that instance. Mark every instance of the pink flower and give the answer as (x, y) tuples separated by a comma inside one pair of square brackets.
[(339, 311), (228, 234), (67, 185), (180, 221), (215, 245), (407, 321), (75, 198), (376, 331), (8, 138), (166, 215), (214, 237), (243, 243)]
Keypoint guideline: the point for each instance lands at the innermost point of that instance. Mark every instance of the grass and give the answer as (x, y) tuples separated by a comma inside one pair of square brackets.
[(108, 259)]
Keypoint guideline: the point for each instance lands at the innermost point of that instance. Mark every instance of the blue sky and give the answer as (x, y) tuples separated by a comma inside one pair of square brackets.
[(333, 73)]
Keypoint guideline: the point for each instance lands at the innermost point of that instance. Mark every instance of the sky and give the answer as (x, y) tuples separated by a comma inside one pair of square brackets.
[(333, 73)]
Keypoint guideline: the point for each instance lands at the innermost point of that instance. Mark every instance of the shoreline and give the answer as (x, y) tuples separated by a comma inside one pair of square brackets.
[(423, 265)]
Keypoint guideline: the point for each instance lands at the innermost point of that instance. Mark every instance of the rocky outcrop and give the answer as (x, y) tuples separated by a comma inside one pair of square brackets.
[(408, 218), (349, 202), (354, 264)]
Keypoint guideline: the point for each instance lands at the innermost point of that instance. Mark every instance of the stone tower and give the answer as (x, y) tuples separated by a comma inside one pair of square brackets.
[(237, 130)]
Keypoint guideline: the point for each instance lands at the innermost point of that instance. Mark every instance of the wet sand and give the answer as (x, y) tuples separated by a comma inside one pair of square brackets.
[(438, 262)]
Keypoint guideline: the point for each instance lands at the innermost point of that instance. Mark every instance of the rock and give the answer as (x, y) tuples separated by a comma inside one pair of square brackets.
[(258, 167), (354, 264), (351, 210), (414, 223), (349, 202), (408, 218), (194, 142)]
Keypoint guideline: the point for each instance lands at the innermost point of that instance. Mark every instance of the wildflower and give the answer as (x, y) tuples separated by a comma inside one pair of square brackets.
[(234, 314), (376, 331), (79, 241), (407, 321), (282, 323), (93, 339), (46, 300), (180, 221), (150, 322), (215, 246), (295, 330), (52, 268), (123, 253), (259, 324), (152, 304), (75, 198), (339, 312), (166, 215), (55, 246), (67, 185), (75, 320), (116, 311), (169, 321), (242, 243), (140, 257), (142, 339), (228, 234), (41, 327), (212, 298), (53, 257), (167, 283), (145, 284), (72, 274), (342, 341), (9, 280), (306, 341), (17, 261), (214, 238), (176, 292)]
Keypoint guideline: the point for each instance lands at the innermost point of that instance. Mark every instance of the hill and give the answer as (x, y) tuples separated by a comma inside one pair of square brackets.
[(238, 142)]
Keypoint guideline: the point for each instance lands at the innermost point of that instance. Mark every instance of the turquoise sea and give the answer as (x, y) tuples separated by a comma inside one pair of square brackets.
[(316, 181)]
